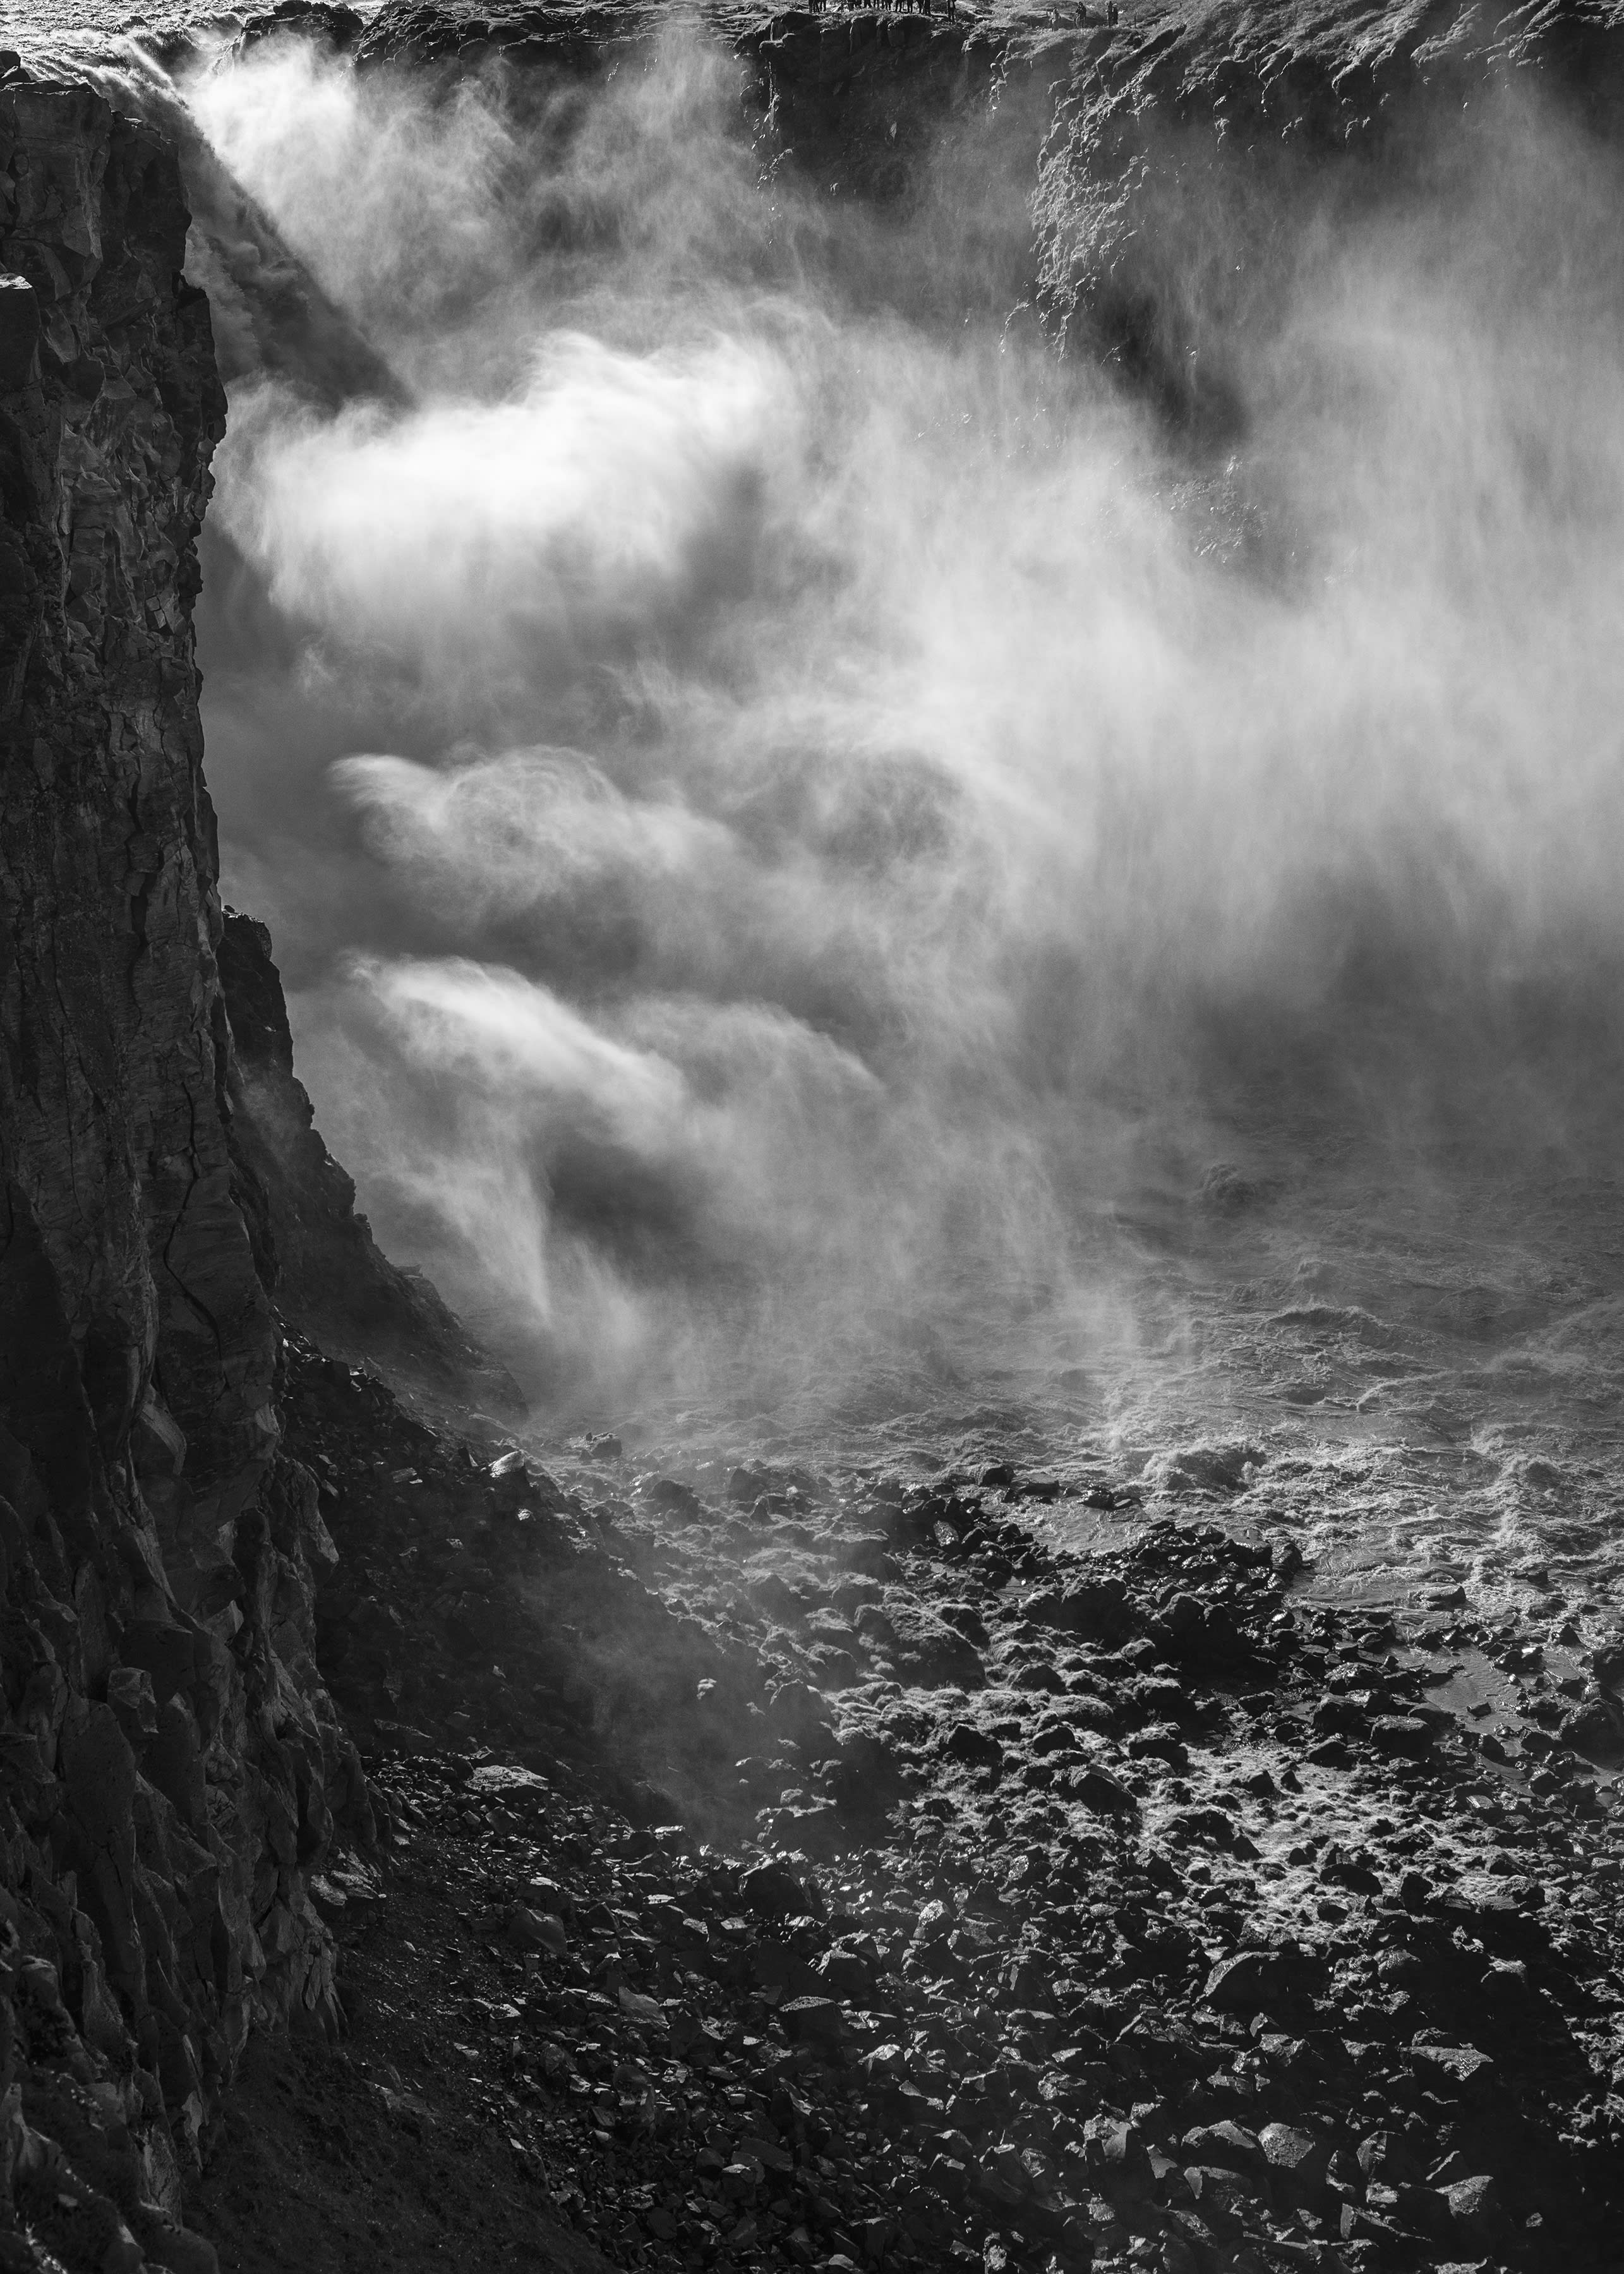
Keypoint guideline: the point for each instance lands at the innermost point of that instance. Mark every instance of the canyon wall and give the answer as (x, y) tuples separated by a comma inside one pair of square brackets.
[(1198, 163), (171, 1769), (314, 1254)]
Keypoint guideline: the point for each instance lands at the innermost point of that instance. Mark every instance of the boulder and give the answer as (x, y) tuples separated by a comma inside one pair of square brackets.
[(927, 1653), (1402, 1736), (1475, 2210), (771, 1891), (1253, 1981)]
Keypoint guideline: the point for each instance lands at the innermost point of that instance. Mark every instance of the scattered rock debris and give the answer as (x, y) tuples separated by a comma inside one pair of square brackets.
[(1158, 1918)]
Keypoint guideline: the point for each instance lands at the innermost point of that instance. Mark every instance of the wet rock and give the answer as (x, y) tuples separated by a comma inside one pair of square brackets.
[(772, 1893), (812, 2021), (1297, 2162), (1402, 1736), (924, 1648), (316, 1251), (1097, 1611), (973, 1747), (1345, 1867), (1455, 2072), (1254, 1981), (1595, 1730), (1097, 1789), (533, 1930), (1476, 2210), (674, 1499)]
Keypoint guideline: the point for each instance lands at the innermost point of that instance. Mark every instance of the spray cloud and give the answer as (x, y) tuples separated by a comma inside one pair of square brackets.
[(778, 806)]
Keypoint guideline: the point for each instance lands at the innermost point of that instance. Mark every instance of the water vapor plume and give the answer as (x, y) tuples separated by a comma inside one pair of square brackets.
[(784, 810)]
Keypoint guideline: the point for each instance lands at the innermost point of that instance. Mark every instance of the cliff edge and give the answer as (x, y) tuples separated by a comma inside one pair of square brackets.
[(171, 1769)]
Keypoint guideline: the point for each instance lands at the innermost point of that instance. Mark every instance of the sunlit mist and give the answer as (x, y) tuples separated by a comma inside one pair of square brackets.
[(774, 805)]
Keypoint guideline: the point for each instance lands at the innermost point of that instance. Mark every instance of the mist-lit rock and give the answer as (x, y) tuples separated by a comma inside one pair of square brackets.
[(1194, 155), (315, 1254)]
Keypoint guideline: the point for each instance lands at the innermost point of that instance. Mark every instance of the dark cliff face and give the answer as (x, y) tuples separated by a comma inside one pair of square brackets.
[(331, 1281), (170, 1767), (1199, 160)]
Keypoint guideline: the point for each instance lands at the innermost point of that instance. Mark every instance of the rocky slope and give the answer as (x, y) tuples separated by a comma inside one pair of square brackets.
[(999, 1905), (1193, 155)]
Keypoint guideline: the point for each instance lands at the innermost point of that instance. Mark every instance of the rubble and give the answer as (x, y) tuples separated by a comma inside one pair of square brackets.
[(1049, 1998)]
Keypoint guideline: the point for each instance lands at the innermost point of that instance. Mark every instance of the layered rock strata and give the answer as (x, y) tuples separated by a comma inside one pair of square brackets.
[(1193, 155)]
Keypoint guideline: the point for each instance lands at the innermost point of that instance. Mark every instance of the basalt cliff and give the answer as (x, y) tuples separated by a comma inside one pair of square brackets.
[(173, 1768)]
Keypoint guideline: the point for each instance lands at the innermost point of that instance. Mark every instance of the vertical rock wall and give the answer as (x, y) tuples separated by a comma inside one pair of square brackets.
[(331, 1280), (170, 1767)]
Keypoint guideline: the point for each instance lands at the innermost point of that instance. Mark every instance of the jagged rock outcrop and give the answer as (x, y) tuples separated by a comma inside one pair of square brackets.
[(170, 1767), (1194, 153), (330, 1279)]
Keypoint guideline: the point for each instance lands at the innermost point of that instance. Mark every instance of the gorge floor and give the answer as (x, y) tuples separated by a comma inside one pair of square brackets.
[(874, 1881)]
